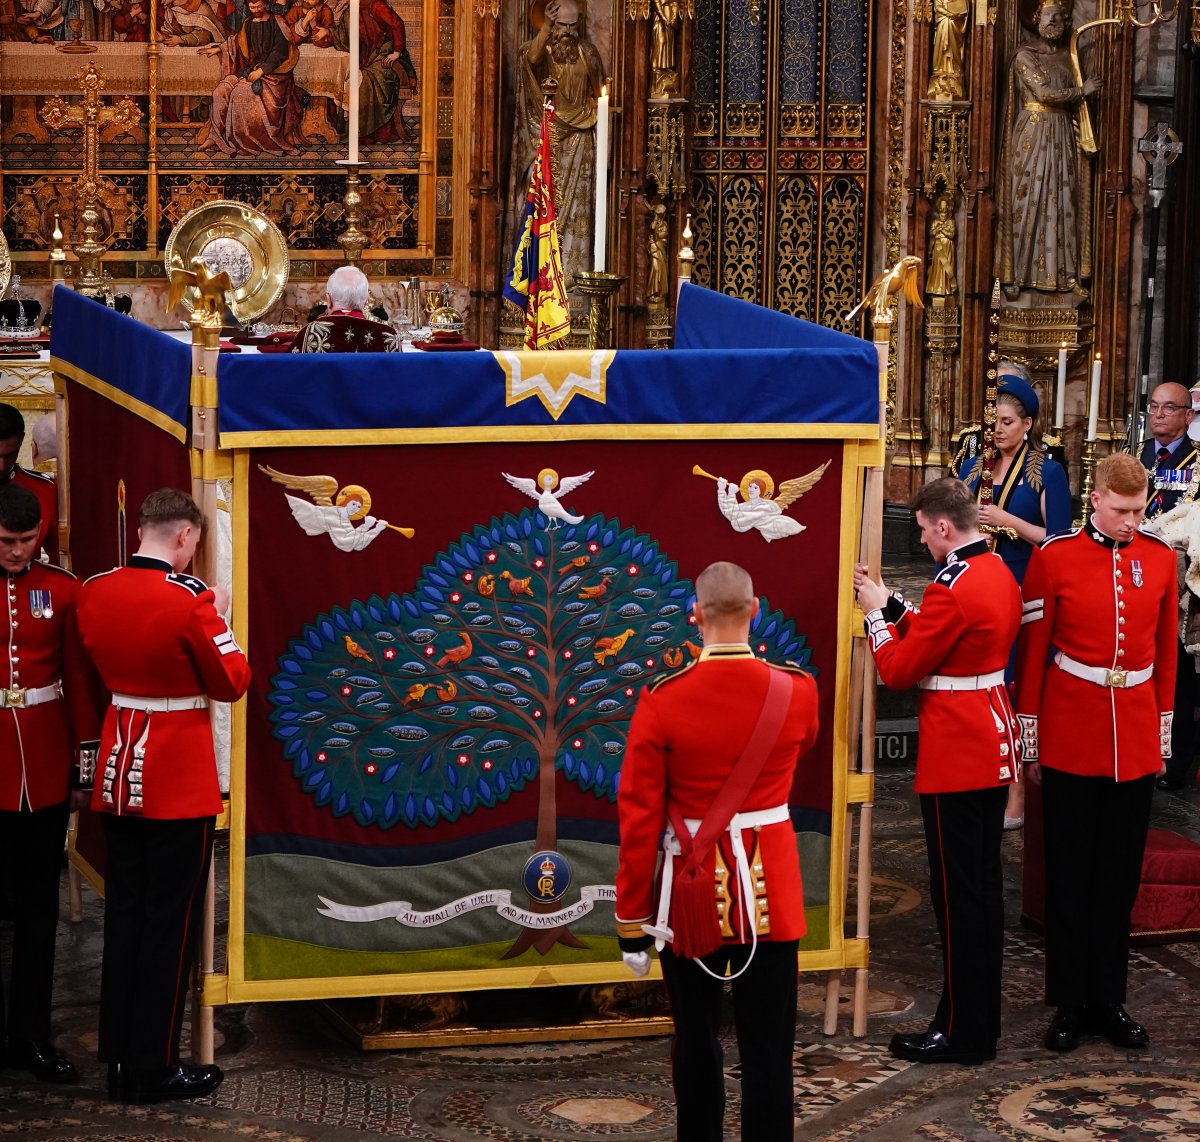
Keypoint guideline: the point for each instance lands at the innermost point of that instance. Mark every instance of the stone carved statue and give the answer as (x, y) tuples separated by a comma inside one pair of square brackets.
[(942, 280), (561, 49), (658, 275), (949, 35), (664, 83), (1043, 242)]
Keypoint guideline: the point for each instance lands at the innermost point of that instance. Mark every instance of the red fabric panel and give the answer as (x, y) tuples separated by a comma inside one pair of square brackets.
[(108, 444), (444, 491)]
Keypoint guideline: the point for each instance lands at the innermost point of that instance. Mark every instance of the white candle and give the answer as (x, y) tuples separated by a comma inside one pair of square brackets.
[(1060, 394), (600, 245), (352, 110), (1094, 403)]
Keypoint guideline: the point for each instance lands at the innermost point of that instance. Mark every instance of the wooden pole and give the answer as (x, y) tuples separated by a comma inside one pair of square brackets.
[(872, 543), (205, 353)]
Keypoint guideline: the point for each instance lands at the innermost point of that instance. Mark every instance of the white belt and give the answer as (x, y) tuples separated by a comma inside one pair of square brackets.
[(18, 697), (160, 705), (756, 818), (1117, 679), (963, 682)]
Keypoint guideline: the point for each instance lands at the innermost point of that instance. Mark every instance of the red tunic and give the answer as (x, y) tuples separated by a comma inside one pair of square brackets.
[(688, 732), (38, 743), (44, 487), (1108, 605), (156, 634), (969, 618)]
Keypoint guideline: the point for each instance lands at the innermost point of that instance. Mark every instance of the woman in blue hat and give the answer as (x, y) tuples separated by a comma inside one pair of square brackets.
[(1029, 494)]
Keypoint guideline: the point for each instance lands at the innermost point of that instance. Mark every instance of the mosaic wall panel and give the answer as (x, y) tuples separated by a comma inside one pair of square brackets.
[(780, 151), (241, 99)]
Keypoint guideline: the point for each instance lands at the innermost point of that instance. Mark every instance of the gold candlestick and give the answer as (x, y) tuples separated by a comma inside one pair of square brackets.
[(352, 239), (1089, 462), (58, 256), (599, 288)]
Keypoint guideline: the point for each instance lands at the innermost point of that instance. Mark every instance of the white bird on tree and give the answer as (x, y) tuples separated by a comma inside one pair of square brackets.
[(543, 490)]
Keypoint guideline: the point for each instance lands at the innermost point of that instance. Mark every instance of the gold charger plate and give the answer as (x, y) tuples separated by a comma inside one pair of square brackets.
[(237, 238)]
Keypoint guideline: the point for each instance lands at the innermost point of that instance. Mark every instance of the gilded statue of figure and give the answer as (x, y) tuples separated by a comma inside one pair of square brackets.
[(949, 33), (942, 280), (665, 74), (657, 278), (561, 49), (1043, 241)]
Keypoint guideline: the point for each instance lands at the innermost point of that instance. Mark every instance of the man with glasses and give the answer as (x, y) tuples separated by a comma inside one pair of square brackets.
[(1169, 455)]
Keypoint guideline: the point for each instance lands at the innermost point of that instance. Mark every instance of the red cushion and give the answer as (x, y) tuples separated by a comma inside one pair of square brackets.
[(1170, 859)]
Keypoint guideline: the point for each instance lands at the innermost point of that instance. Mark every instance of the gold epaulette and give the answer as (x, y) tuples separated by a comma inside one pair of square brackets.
[(661, 679)]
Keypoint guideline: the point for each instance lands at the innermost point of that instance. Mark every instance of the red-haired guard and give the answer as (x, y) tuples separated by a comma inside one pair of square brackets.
[(956, 648), (1096, 719)]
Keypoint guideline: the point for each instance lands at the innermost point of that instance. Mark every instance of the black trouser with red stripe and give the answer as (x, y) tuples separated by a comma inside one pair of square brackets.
[(154, 886), (962, 836), (31, 848)]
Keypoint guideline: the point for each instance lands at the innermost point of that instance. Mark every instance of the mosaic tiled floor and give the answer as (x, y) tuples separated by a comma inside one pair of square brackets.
[(291, 1077)]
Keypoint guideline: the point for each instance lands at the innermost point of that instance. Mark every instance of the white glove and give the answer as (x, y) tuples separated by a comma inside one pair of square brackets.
[(637, 962)]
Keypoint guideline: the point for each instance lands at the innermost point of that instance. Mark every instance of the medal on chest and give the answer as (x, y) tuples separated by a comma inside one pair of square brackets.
[(1135, 566), (41, 606)]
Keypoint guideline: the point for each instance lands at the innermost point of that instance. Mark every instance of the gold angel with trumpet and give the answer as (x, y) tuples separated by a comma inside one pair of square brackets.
[(759, 507), (210, 290), (902, 276), (331, 512)]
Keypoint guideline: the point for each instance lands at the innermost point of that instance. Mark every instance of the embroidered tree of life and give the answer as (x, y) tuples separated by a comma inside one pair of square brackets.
[(517, 656)]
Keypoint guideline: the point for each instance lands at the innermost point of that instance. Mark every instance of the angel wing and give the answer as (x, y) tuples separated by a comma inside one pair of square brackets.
[(791, 490), (321, 489), (313, 518), (523, 484), (180, 281), (570, 483)]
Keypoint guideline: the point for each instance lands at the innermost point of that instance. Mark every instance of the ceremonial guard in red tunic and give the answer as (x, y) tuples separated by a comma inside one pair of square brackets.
[(163, 650), (711, 759), (49, 721), (12, 435), (956, 648), (1095, 686)]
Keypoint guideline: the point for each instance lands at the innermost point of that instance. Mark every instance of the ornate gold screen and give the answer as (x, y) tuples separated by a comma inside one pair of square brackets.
[(781, 151)]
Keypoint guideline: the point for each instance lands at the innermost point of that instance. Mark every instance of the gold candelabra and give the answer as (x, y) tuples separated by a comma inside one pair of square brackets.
[(352, 240), (1089, 462)]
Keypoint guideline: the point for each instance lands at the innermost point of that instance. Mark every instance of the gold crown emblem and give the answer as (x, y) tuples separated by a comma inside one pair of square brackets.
[(547, 866)]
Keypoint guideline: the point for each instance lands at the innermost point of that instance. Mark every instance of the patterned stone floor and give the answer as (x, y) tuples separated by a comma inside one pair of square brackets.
[(291, 1076)]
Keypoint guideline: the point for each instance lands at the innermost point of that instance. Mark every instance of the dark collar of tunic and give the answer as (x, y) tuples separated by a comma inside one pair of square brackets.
[(975, 547), (150, 563), (1093, 532), (15, 574)]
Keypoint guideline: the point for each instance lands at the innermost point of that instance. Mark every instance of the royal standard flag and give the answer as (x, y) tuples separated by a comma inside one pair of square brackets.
[(536, 284)]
